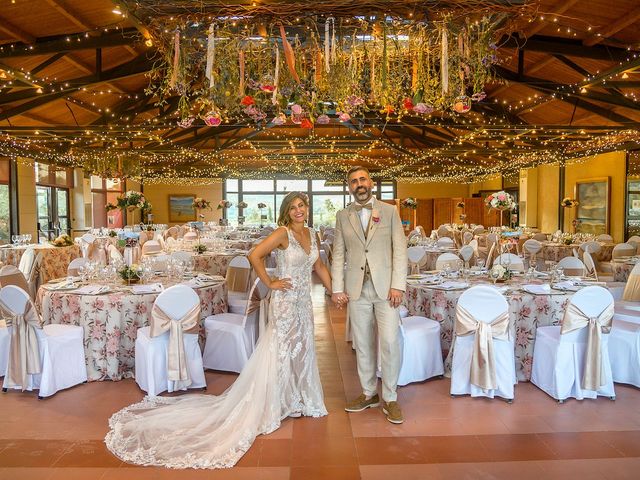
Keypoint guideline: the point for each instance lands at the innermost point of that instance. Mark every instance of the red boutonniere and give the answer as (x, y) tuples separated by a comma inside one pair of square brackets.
[(375, 216)]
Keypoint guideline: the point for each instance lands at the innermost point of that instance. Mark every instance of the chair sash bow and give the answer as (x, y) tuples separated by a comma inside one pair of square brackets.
[(24, 358), (483, 369), (632, 289), (237, 279), (574, 319), (176, 358)]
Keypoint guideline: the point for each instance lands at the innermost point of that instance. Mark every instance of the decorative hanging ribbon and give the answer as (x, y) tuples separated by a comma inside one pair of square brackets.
[(24, 358), (177, 370), (241, 65), (483, 368), (176, 60), (211, 50), (276, 77), (289, 55), (327, 42), (444, 62), (575, 319)]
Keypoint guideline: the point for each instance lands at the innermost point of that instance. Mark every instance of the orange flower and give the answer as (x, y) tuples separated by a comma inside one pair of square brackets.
[(306, 123), (248, 100)]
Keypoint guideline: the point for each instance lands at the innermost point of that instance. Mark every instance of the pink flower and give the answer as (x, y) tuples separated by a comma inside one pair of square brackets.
[(344, 116), (423, 108), (501, 197), (323, 119), (279, 119), (296, 109), (267, 88), (212, 119), (375, 215)]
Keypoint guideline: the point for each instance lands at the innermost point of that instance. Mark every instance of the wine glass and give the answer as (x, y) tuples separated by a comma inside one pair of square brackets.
[(14, 239), (480, 263)]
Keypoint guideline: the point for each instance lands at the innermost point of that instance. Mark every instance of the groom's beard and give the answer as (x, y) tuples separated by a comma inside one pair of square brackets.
[(362, 194)]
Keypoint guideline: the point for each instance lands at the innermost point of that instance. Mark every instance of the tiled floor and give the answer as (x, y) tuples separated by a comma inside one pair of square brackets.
[(461, 438)]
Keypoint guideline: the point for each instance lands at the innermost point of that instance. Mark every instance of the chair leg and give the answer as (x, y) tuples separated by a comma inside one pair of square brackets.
[(560, 401), (509, 401), (40, 398), (4, 390), (613, 399)]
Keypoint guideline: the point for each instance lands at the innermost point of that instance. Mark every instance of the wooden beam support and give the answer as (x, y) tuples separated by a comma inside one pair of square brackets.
[(60, 44), (566, 47), (71, 15), (15, 32), (49, 61), (612, 28)]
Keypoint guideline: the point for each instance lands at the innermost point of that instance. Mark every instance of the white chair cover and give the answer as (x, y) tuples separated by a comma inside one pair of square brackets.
[(604, 238), (167, 353), (589, 265), (182, 256), (572, 266), (532, 247), (591, 247), (483, 362), (48, 358), (143, 238), (572, 360), (623, 250), (171, 232), (10, 275), (444, 232), (445, 242), (190, 236), (515, 262), (451, 259), (151, 247), (75, 265), (467, 237), (624, 352), (417, 257), (231, 337), (541, 237), (114, 254)]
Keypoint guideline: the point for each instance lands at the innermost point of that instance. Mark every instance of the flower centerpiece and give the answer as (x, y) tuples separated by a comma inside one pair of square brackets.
[(262, 206), (130, 274), (224, 204), (569, 202), (500, 273), (242, 205), (500, 201), (62, 241), (409, 202), (200, 248), (567, 238), (113, 233), (201, 204), (132, 200)]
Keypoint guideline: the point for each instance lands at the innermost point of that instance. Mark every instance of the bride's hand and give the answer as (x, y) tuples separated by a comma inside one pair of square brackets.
[(280, 284)]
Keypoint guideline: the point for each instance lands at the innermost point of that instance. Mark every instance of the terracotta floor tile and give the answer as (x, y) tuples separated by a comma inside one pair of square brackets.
[(275, 453), (324, 451), (464, 448), (404, 472), (389, 451), (492, 470), (573, 445), (501, 448), (627, 443), (32, 453), (76, 473), (88, 453), (322, 472)]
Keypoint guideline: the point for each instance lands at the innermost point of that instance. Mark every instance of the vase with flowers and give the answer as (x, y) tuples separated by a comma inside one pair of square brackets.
[(200, 204), (500, 201), (131, 201), (130, 273)]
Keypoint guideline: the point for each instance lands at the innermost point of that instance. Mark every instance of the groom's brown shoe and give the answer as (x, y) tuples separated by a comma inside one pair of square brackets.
[(393, 412), (361, 403)]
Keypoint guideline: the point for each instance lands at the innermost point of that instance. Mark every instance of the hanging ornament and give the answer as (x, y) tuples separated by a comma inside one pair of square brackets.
[(462, 105), (444, 62), (289, 55), (210, 55), (176, 59), (185, 122), (212, 118)]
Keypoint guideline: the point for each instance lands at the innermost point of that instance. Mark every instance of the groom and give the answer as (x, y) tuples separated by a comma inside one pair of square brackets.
[(370, 238)]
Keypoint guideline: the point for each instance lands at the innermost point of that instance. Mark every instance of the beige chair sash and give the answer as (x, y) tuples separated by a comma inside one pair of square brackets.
[(632, 289), (237, 279), (16, 278), (24, 358), (574, 272), (483, 369), (176, 358), (575, 319), (255, 302)]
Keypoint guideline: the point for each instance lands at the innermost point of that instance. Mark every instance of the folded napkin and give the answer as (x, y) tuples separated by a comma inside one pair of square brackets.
[(566, 285), (543, 289), (451, 285), (150, 288), (91, 290)]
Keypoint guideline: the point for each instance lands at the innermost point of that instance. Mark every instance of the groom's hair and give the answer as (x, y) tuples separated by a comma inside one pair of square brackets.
[(357, 168)]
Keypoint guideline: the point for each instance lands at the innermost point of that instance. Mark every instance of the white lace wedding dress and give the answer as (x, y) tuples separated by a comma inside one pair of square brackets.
[(280, 379)]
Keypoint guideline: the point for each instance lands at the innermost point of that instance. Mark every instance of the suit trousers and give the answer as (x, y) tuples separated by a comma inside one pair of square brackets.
[(364, 314)]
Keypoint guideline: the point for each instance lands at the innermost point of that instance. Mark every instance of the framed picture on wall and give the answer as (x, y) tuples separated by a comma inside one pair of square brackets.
[(180, 209), (592, 212)]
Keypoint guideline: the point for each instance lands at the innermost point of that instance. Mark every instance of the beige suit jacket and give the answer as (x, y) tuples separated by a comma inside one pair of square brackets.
[(384, 248)]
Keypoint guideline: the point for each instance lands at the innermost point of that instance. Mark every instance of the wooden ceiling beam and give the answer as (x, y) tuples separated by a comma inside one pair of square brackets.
[(49, 61), (563, 46), (70, 14), (60, 44), (612, 28), (559, 9)]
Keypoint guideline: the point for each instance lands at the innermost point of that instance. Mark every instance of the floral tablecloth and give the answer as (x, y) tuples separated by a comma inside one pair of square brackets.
[(111, 323), (55, 260), (526, 312), (556, 251), (621, 270), (214, 263)]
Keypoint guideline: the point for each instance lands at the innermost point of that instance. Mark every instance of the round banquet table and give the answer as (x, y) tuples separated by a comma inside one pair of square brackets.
[(432, 257), (622, 269), (111, 322), (526, 312), (215, 263), (55, 260), (557, 251)]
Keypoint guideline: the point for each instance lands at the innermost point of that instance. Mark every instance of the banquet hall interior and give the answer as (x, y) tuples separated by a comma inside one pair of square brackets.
[(147, 145)]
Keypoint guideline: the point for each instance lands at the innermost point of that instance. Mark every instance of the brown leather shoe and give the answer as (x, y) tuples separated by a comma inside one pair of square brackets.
[(361, 403), (393, 412)]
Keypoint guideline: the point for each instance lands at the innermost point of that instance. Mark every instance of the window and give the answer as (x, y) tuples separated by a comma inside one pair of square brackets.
[(52, 197), (325, 198), (104, 191), (5, 202)]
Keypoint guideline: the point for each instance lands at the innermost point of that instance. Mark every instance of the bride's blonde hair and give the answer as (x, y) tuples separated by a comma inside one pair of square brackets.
[(284, 219)]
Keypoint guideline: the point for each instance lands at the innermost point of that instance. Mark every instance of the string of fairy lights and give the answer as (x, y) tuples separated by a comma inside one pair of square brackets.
[(474, 154)]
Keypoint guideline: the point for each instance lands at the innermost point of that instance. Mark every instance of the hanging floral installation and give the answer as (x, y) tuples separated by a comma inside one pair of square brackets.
[(304, 69)]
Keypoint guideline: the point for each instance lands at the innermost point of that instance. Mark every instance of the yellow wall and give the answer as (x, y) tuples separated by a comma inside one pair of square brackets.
[(158, 195), (548, 187), (27, 218), (432, 190), (611, 165), (492, 184)]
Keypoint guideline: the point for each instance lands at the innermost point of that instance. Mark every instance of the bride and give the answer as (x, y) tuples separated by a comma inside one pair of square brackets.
[(280, 379)]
